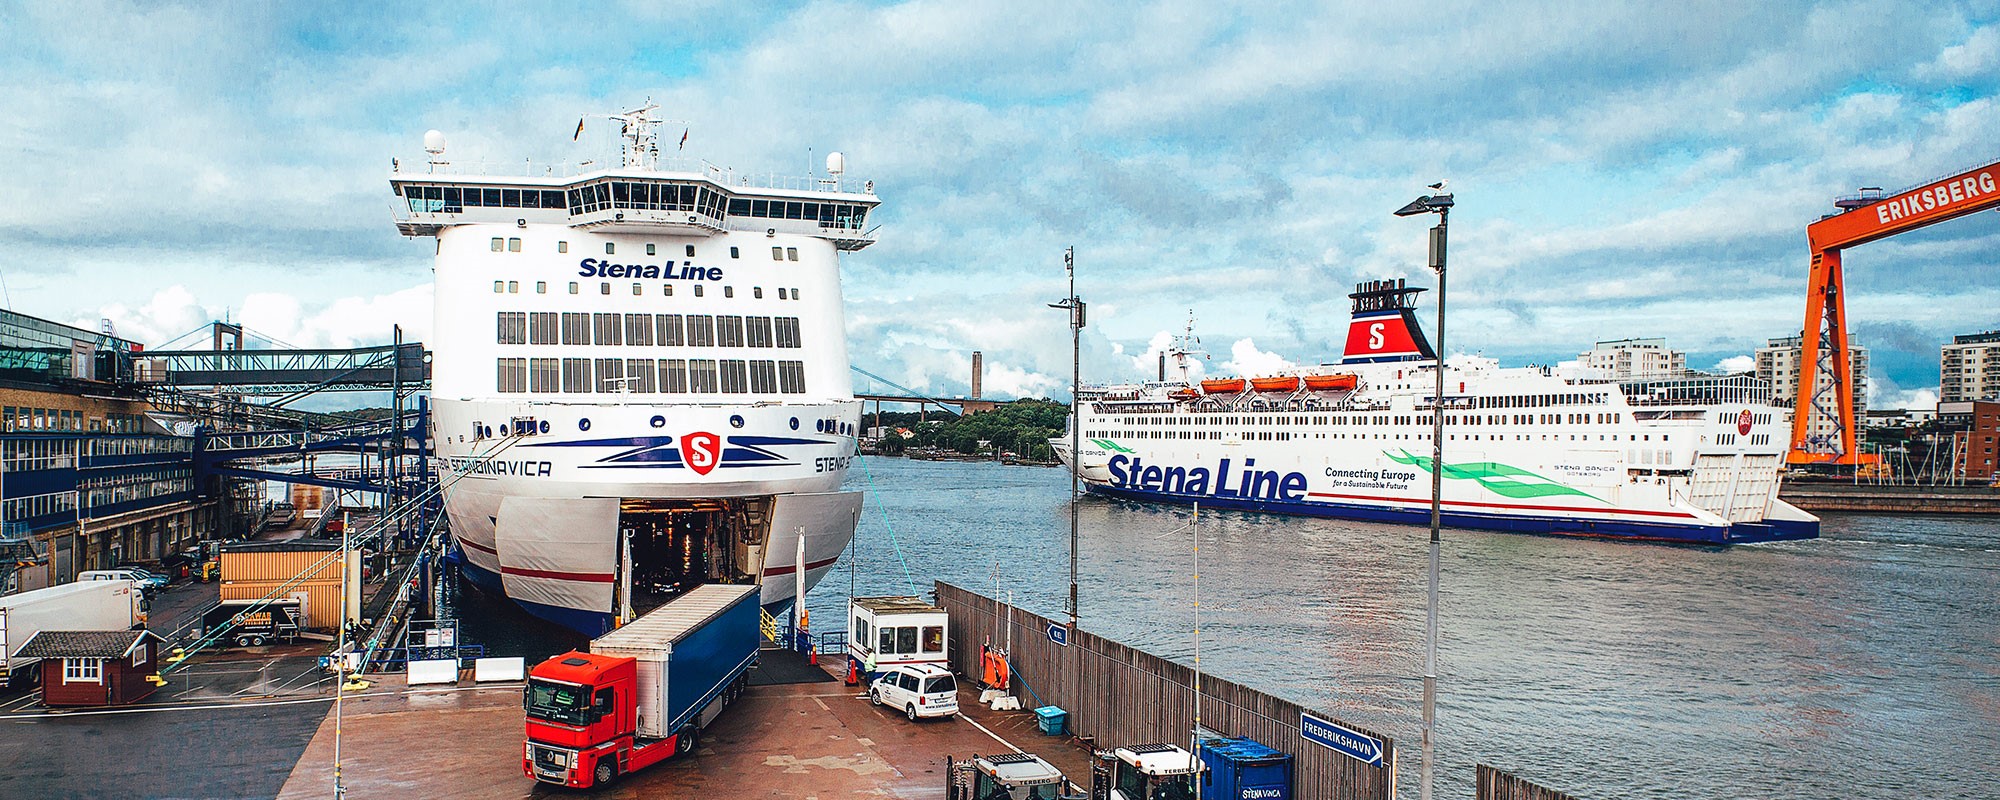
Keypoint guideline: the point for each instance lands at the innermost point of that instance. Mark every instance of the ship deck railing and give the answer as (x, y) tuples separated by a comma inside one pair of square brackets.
[(543, 173)]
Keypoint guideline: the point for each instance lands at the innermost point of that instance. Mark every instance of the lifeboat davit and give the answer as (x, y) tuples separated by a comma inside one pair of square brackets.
[(1289, 383), (1222, 386), (1330, 383)]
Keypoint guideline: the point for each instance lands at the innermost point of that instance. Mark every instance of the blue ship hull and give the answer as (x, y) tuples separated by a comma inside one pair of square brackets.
[(1738, 533)]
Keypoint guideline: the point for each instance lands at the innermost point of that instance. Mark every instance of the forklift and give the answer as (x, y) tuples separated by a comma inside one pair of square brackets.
[(1007, 776), (1143, 772)]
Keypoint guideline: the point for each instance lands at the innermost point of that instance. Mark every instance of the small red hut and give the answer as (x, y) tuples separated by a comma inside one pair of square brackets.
[(94, 668)]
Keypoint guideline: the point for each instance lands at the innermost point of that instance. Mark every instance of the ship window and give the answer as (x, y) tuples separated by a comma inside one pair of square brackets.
[(700, 330), (499, 244), (757, 292), (510, 198), (513, 287), (733, 253), (728, 291), (639, 375), (499, 286), (572, 287), (604, 288), (576, 375), (701, 375), (729, 329), (787, 329), (513, 327), (792, 377), (668, 326), (544, 375), (649, 249), (763, 377), (690, 251), (777, 253), (514, 244), (575, 328), (513, 375), (697, 290), (791, 254), (639, 330), (759, 330), (758, 208), (673, 376), (610, 248), (739, 208), (666, 290), (636, 290), (735, 379), (541, 287), (562, 247), (611, 375), (795, 210), (606, 328), (491, 197)]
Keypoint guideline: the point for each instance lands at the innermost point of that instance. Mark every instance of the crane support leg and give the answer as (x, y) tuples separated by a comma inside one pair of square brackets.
[(1826, 377)]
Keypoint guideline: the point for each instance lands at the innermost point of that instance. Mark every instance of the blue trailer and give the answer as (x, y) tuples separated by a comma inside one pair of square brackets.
[(688, 651)]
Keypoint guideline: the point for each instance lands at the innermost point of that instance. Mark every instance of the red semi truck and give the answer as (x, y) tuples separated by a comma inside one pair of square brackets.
[(643, 692)]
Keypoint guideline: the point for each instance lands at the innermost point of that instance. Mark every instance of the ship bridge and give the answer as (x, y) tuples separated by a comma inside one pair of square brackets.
[(692, 200)]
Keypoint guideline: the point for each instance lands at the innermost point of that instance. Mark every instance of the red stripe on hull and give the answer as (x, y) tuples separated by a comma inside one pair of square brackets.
[(581, 577), (776, 572)]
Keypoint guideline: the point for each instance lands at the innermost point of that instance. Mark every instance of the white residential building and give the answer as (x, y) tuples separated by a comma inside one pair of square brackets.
[(1627, 359)]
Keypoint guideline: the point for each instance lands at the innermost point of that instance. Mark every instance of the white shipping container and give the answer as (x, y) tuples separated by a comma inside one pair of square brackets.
[(651, 640), (81, 606)]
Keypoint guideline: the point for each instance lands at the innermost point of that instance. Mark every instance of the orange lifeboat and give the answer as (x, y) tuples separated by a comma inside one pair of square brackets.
[(1184, 394), (1330, 383), (1222, 386), (1289, 383)]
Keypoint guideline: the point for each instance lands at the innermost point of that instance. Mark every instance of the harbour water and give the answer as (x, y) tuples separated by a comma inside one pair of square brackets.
[(1862, 664)]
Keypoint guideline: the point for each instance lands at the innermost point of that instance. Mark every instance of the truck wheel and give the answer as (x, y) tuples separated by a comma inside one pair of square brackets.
[(605, 772), (242, 641), (911, 712), (687, 741)]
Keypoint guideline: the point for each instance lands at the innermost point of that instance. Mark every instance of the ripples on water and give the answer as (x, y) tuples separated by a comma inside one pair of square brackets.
[(1863, 664)]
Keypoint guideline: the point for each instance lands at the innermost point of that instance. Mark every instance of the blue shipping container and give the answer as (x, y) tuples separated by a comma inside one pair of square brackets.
[(1244, 769)]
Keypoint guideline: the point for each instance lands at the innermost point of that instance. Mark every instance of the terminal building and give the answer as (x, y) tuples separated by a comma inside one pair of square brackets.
[(87, 480)]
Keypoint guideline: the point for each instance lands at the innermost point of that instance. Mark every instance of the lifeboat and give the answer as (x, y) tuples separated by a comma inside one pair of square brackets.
[(1330, 383), (1222, 386), (1289, 383), (1185, 393)]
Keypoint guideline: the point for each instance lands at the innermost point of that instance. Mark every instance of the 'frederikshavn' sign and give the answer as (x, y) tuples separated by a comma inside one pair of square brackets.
[(1341, 739), (1058, 634)]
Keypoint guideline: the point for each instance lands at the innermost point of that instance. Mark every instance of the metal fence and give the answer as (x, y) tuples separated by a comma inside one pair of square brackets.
[(1497, 785), (1117, 695)]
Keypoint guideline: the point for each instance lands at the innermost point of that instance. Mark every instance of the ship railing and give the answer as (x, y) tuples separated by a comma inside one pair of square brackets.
[(682, 164)]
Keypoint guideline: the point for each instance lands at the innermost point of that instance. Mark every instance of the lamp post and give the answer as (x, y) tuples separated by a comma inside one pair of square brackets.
[(1075, 308), (1439, 204)]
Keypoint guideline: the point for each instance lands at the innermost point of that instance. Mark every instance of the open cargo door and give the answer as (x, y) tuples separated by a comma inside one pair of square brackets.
[(560, 552), (826, 519)]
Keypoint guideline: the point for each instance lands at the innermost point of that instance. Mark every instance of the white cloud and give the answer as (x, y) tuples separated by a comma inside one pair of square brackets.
[(1734, 364), (274, 319), (1923, 397), (1246, 360)]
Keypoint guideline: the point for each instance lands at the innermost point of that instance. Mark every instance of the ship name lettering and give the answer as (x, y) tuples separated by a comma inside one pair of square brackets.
[(1250, 484), (593, 268), (832, 463)]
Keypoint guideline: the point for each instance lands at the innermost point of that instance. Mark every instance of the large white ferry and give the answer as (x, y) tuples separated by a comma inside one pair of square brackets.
[(640, 380), (1534, 449)]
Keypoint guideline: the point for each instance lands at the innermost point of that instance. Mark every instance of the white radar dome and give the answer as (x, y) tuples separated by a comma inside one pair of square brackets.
[(836, 163), (433, 141)]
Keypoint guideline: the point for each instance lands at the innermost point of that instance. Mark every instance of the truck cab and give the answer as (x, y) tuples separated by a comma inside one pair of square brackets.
[(1144, 772), (581, 719), (1007, 776)]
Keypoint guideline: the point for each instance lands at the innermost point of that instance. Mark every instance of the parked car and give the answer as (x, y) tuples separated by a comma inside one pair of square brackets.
[(149, 581), (920, 690)]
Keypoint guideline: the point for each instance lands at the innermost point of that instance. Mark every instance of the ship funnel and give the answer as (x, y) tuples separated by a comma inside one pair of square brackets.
[(1384, 326)]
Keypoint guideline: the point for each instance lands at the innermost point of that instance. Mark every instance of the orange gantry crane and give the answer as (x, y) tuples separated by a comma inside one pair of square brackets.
[(1823, 359)]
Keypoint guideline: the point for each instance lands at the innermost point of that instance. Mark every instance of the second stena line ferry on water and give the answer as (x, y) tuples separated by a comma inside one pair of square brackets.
[(1692, 459), (640, 379)]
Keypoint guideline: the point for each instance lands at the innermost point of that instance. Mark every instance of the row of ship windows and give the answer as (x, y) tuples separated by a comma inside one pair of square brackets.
[(641, 376), (1286, 436), (638, 289), (512, 244), (1606, 418), (647, 330), (633, 195), (1754, 439)]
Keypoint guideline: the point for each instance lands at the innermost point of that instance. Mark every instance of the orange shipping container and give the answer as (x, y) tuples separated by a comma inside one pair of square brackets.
[(310, 570)]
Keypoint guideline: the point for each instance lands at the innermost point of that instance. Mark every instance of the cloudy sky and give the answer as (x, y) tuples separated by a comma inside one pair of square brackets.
[(1620, 172)]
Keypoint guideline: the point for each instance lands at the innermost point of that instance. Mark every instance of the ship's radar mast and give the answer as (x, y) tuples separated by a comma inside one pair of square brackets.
[(1184, 345), (640, 134)]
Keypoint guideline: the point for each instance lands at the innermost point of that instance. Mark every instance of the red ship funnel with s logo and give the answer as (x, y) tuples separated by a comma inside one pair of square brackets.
[(1384, 326)]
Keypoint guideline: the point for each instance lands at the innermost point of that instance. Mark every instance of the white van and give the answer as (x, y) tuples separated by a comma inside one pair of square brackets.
[(145, 580)]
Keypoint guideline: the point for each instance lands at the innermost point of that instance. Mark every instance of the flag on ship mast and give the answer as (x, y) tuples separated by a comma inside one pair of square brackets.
[(579, 130), (684, 139)]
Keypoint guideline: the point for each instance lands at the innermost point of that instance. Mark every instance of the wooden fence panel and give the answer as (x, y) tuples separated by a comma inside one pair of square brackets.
[(1496, 785), (1119, 695)]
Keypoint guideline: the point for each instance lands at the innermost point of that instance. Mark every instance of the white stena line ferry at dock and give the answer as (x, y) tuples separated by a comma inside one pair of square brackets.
[(640, 380), (1695, 459)]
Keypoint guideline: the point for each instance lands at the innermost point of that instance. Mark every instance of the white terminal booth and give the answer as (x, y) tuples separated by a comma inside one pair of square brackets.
[(897, 630)]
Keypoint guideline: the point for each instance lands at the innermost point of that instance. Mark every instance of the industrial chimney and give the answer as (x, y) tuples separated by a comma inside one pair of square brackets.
[(978, 373)]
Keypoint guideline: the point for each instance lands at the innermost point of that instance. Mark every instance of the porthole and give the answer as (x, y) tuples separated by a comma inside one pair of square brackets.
[(819, 425), (583, 424), (795, 423), (659, 421), (736, 420), (545, 426)]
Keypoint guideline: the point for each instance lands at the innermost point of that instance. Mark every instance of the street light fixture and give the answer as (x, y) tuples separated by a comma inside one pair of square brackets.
[(1439, 204)]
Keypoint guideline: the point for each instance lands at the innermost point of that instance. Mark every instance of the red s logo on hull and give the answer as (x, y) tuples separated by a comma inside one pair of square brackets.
[(701, 451)]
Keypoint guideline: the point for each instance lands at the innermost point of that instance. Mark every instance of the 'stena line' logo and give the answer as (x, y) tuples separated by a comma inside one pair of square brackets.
[(1743, 421), (701, 451)]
